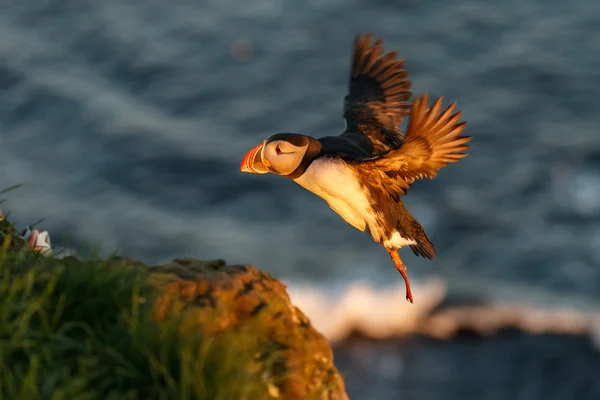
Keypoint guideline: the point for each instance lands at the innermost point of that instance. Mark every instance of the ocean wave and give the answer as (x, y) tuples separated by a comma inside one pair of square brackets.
[(440, 311)]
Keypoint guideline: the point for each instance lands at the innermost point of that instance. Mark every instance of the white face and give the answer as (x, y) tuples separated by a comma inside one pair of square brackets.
[(281, 157)]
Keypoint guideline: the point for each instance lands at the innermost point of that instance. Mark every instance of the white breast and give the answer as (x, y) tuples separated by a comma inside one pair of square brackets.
[(338, 185)]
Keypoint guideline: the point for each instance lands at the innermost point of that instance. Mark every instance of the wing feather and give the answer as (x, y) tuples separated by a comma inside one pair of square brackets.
[(432, 141), (378, 96)]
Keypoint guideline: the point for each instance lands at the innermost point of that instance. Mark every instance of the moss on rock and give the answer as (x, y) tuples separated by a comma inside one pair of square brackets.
[(217, 298), (189, 329)]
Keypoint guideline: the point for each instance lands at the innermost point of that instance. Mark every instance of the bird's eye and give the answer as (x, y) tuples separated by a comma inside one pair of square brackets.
[(278, 150)]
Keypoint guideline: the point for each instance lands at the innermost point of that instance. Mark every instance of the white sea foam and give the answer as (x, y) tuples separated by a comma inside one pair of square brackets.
[(384, 312)]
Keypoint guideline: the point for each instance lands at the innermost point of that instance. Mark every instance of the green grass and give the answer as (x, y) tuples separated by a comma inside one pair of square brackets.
[(72, 329), (77, 329)]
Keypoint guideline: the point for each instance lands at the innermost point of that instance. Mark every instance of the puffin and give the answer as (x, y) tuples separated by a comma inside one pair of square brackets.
[(364, 172), (40, 242)]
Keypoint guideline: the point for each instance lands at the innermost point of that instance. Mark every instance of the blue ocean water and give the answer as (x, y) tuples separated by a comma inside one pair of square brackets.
[(126, 122)]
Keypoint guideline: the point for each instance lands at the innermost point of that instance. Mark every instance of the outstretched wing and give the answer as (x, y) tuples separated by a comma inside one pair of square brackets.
[(378, 98), (432, 141)]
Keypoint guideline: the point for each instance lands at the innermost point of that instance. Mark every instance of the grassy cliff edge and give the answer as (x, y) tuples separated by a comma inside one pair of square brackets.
[(117, 329)]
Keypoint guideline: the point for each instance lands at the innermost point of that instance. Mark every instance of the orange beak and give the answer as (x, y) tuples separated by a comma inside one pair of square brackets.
[(252, 161)]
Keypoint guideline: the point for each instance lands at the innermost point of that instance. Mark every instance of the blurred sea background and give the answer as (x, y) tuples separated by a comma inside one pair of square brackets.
[(126, 122)]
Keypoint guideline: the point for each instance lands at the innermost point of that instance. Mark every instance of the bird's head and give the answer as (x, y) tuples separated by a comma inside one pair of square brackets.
[(287, 154)]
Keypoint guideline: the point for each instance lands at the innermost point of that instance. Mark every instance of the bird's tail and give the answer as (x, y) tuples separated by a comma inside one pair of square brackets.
[(424, 247)]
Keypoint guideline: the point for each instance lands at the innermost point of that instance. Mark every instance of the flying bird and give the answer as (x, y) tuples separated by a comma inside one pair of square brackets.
[(363, 172)]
